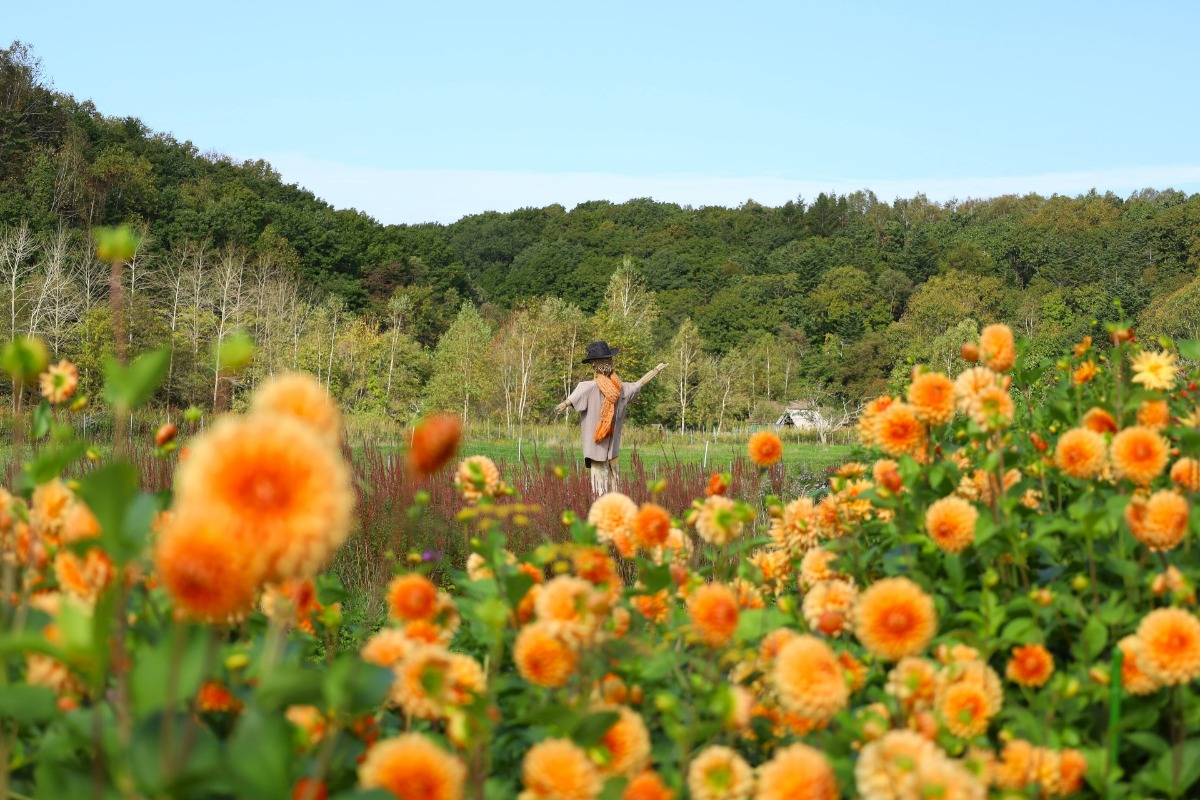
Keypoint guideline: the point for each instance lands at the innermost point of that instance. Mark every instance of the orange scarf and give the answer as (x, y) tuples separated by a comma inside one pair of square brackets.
[(610, 387)]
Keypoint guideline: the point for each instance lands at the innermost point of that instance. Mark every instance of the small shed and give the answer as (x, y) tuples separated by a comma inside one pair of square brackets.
[(802, 419)]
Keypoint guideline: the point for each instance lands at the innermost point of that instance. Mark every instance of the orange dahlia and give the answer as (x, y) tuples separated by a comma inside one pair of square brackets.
[(411, 767), (565, 604), (1098, 420), (992, 408), (913, 682), (1084, 373), (387, 648), (719, 773), (207, 572), (431, 681), (215, 698), (798, 772), (557, 769), (411, 597), (477, 477), (948, 779), (595, 565), (997, 348), (1081, 453), (829, 606), (48, 508), (302, 397), (950, 522), (972, 382), (795, 530), (765, 448), (713, 609), (275, 486), (817, 566), (895, 618), (717, 484), (647, 786), (886, 473), (869, 420), (1168, 641), (626, 745), (1133, 678), (1154, 414), (651, 526), (543, 658), (1139, 454), (85, 578), (79, 523), (614, 516), (1160, 521), (887, 766), (773, 642), (932, 395), (898, 430), (963, 707), (59, 381), (1185, 473), (1030, 665), (434, 442), (810, 679)]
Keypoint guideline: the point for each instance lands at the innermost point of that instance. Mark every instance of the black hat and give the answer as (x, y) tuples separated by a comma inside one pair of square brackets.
[(599, 350)]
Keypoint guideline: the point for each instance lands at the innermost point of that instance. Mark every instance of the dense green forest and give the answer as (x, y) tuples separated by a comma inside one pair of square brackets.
[(824, 300)]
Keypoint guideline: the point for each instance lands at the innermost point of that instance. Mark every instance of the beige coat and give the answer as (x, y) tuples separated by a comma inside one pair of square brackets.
[(587, 400)]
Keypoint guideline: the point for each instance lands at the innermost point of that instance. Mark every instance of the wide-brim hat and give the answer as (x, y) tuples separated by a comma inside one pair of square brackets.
[(599, 350)]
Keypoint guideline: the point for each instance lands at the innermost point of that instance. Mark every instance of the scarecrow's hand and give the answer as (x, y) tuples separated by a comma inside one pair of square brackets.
[(561, 407)]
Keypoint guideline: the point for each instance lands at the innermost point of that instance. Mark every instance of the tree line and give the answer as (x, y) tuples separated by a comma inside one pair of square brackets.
[(827, 301)]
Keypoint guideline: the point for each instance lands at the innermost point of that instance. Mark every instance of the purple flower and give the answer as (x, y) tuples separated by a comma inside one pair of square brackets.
[(431, 555)]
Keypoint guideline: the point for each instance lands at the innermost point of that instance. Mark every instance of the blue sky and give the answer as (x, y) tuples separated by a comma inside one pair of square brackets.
[(428, 111)]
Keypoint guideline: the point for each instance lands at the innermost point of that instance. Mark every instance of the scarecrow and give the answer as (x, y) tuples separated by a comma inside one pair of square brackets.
[(603, 402)]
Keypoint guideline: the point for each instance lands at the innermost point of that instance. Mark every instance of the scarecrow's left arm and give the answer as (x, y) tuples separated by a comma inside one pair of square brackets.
[(650, 375)]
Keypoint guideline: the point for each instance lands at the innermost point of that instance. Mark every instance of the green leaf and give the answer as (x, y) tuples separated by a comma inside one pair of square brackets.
[(654, 578), (152, 668), (260, 756), (330, 589), (354, 686), (41, 419), (1189, 348), (25, 704), (49, 464), (201, 764), (130, 387), (591, 729), (290, 686), (109, 492), (1093, 639)]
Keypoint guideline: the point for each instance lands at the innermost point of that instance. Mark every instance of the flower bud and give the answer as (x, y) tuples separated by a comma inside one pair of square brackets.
[(970, 352), (1080, 583), (165, 434), (990, 578), (236, 661)]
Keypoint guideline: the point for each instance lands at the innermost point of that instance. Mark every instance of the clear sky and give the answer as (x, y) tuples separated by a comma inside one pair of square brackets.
[(432, 110)]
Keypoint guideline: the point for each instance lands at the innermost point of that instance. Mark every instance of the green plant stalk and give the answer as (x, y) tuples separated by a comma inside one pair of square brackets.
[(1114, 716)]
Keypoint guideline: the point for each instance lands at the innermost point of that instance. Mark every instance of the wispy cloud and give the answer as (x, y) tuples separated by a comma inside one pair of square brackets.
[(412, 196)]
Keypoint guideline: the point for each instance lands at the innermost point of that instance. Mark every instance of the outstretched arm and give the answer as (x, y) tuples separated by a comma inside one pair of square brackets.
[(650, 375), (561, 407)]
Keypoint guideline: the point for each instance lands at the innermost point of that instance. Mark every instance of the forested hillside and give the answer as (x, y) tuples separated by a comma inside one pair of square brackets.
[(825, 299)]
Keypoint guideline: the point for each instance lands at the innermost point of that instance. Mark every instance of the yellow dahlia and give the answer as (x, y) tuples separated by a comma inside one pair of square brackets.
[(795, 529), (477, 477), (1155, 370), (717, 520), (719, 773)]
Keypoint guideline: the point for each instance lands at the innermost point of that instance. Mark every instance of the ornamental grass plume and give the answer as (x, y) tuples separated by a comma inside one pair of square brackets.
[(1155, 370), (614, 515), (557, 769), (1081, 453), (544, 659), (797, 772), (1031, 665), (477, 477), (997, 347), (1139, 454), (1160, 521), (651, 526), (765, 448), (208, 572), (810, 679), (411, 597), (1185, 473), (895, 618), (1099, 420), (1168, 646), (58, 382), (300, 396), (411, 766), (274, 485), (719, 773), (434, 442), (717, 520), (932, 396), (898, 431), (713, 610), (829, 607), (950, 523), (625, 745)]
